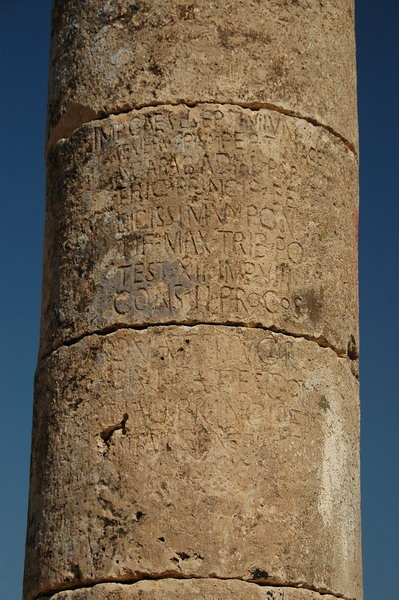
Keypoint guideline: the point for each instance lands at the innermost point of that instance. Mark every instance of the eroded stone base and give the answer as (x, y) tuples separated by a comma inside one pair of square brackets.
[(195, 451)]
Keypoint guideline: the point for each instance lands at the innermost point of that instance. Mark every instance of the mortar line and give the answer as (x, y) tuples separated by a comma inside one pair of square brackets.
[(178, 577), (254, 106), (321, 341)]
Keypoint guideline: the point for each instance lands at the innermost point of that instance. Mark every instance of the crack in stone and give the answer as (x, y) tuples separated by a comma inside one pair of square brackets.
[(321, 341), (172, 575), (255, 106)]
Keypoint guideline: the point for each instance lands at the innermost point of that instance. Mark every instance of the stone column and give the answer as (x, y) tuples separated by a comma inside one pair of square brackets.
[(196, 417)]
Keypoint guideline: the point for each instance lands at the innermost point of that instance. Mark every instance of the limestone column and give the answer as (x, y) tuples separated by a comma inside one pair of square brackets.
[(195, 428)]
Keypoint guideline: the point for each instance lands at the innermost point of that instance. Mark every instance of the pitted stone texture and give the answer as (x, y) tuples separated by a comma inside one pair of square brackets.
[(206, 214), (195, 451), (193, 589), (113, 56)]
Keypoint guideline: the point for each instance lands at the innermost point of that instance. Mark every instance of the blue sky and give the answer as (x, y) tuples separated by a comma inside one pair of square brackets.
[(24, 44)]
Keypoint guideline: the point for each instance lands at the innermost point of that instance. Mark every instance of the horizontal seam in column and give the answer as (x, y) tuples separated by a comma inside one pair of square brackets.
[(133, 581), (255, 106), (321, 342)]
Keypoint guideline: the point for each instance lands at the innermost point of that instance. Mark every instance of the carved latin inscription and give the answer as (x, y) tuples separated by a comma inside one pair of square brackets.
[(210, 213)]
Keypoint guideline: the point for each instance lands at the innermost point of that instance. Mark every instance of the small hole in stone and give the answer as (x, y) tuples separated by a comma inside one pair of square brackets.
[(103, 549), (139, 514), (161, 539), (187, 341), (260, 574), (162, 358)]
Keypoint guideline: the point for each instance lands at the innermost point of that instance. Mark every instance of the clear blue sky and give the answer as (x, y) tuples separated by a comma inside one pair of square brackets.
[(24, 44)]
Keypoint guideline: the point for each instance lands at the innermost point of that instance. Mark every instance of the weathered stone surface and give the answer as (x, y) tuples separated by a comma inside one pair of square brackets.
[(205, 214), (195, 451), (113, 56), (202, 177), (193, 589)]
